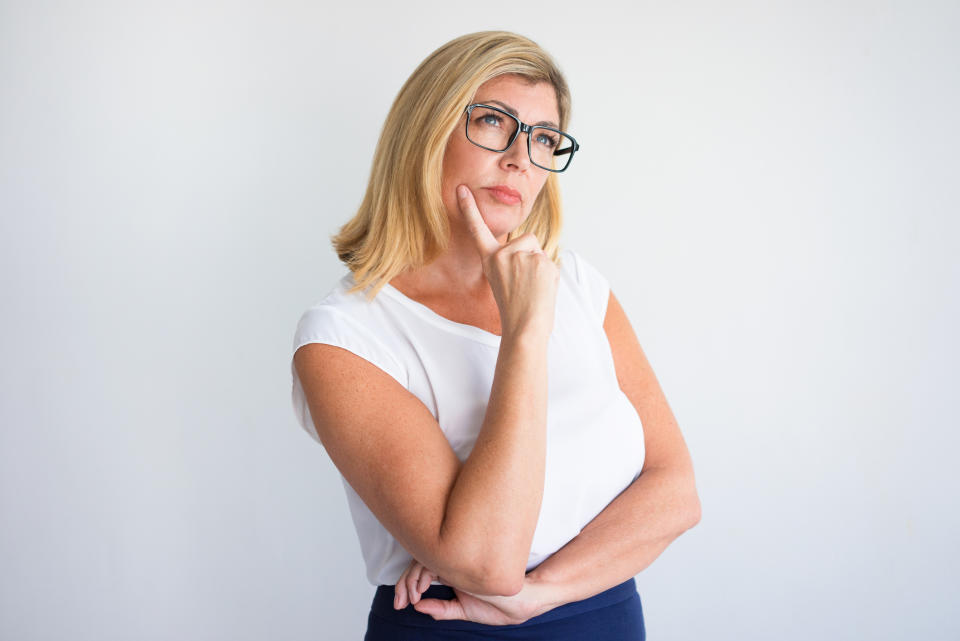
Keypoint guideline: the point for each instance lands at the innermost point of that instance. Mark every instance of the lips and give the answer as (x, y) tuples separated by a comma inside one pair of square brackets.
[(505, 195), (506, 190)]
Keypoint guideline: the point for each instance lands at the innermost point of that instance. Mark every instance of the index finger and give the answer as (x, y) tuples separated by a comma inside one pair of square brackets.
[(487, 243)]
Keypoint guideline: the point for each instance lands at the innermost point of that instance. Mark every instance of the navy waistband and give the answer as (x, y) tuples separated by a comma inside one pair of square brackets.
[(383, 607)]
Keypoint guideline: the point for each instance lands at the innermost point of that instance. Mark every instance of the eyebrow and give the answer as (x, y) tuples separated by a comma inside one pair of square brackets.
[(548, 123)]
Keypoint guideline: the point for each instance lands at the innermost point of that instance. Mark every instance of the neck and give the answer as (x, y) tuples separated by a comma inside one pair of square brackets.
[(458, 269)]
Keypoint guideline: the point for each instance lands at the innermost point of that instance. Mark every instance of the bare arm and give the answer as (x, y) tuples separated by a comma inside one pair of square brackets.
[(494, 506), (637, 526), (390, 449), (620, 542)]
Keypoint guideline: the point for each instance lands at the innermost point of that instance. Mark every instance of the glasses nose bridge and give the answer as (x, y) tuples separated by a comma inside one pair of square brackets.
[(523, 128)]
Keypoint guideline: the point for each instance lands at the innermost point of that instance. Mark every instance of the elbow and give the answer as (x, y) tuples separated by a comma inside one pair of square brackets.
[(506, 586), (482, 573), (694, 517), (498, 582), (510, 586), (690, 499), (485, 580)]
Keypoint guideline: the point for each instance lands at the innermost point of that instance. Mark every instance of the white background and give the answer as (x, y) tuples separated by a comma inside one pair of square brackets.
[(770, 187)]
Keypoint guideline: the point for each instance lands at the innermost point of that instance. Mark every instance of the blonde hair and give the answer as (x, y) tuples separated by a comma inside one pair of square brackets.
[(402, 220)]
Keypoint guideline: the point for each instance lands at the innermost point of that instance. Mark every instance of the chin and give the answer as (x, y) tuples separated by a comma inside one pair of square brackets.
[(503, 216)]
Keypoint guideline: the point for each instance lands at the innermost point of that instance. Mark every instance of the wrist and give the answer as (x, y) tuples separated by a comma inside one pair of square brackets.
[(545, 595)]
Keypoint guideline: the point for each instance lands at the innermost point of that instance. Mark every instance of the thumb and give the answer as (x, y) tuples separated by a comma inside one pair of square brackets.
[(440, 609), (487, 243)]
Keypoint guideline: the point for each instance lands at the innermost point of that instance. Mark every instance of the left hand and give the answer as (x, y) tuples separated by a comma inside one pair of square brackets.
[(487, 609), (412, 583)]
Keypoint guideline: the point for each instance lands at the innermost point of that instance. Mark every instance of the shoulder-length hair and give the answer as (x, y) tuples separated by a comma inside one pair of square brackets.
[(402, 221)]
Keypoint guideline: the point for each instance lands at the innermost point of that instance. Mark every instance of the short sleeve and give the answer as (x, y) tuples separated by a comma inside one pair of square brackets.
[(593, 283), (326, 324)]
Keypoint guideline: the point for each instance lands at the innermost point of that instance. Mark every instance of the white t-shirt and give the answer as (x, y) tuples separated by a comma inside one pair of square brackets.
[(594, 447)]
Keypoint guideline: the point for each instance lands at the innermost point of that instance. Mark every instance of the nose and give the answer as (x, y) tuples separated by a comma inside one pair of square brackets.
[(517, 157)]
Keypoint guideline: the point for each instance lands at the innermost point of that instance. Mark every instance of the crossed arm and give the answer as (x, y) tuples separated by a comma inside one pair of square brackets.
[(634, 528), (662, 503)]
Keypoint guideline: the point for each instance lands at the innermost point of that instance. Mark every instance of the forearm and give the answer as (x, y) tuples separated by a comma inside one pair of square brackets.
[(621, 541), (494, 506)]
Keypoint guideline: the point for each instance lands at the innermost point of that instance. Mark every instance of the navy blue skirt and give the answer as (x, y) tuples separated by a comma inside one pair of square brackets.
[(613, 615)]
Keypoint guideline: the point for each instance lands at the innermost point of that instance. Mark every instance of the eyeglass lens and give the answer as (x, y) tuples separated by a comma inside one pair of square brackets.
[(494, 130)]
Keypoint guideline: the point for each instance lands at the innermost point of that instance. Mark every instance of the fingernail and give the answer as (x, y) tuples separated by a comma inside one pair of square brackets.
[(396, 602), (462, 191)]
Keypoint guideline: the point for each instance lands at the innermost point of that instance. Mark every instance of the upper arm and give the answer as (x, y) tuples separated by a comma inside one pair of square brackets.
[(389, 447), (664, 444)]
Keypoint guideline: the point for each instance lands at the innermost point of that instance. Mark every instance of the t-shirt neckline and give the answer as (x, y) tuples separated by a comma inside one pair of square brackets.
[(462, 329)]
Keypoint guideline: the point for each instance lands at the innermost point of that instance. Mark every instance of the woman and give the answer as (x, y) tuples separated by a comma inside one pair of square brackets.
[(509, 459)]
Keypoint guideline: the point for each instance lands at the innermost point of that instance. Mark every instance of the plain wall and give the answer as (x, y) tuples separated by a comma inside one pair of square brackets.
[(770, 187)]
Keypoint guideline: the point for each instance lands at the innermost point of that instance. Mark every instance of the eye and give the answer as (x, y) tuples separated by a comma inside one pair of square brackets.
[(490, 119), (546, 140)]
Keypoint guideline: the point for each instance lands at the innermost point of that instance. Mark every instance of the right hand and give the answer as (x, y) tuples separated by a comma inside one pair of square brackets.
[(522, 277), (533, 599), (489, 610)]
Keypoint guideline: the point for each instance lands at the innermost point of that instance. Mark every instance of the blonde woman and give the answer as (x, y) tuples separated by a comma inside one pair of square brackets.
[(509, 458)]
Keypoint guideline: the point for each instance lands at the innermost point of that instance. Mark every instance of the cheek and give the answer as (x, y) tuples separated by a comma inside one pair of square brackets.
[(460, 157), (543, 185), (452, 163)]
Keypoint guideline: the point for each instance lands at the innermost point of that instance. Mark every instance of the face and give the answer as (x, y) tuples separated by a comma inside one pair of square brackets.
[(482, 170)]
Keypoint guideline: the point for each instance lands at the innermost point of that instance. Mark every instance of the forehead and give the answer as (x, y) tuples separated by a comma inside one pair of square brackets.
[(533, 101)]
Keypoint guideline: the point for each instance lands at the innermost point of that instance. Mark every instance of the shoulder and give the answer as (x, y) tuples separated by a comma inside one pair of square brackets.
[(350, 321), (342, 321), (593, 286)]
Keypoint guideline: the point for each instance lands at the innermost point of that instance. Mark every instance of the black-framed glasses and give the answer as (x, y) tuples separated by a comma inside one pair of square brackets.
[(495, 129)]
